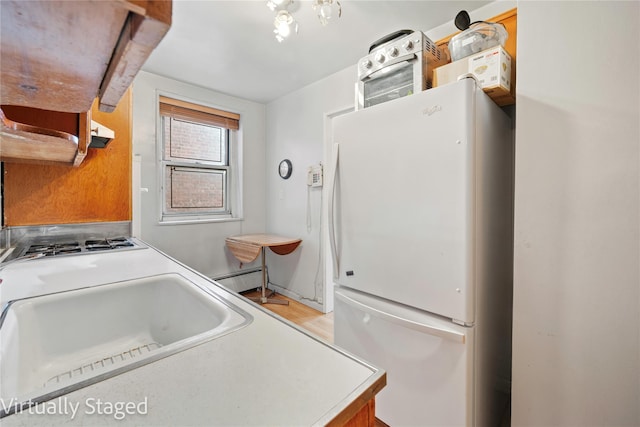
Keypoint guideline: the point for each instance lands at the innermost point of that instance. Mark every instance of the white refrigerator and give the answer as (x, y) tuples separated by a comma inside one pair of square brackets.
[(421, 232)]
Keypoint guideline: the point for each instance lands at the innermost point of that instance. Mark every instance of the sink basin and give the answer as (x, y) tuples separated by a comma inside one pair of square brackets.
[(56, 343)]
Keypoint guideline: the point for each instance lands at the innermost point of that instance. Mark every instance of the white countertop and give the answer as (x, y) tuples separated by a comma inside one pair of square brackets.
[(268, 373)]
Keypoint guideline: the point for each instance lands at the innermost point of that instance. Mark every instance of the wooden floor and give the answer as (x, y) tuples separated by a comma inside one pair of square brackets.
[(302, 315)]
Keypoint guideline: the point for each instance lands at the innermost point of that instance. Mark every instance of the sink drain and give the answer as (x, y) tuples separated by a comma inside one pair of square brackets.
[(107, 362)]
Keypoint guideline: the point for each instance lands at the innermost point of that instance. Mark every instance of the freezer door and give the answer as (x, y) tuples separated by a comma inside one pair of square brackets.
[(428, 360), (404, 200)]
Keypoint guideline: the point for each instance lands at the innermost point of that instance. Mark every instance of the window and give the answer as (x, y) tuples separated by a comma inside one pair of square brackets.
[(196, 160)]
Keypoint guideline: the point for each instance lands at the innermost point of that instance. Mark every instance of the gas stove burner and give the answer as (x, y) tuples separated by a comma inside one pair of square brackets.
[(116, 242), (34, 249), (68, 249), (72, 247), (97, 245), (54, 248), (120, 242)]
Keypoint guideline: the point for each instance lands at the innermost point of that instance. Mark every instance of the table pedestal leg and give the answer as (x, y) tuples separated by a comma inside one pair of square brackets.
[(264, 298)]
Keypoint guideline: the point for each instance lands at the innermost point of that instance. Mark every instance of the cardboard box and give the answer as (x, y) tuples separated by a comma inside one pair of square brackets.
[(491, 67)]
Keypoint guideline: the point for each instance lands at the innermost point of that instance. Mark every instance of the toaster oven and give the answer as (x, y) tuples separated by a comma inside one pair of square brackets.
[(397, 65)]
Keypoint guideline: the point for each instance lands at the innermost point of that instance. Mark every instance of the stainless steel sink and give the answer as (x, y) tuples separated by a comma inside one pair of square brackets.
[(56, 343)]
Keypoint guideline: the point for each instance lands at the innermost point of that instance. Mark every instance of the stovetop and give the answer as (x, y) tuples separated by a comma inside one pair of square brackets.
[(68, 247)]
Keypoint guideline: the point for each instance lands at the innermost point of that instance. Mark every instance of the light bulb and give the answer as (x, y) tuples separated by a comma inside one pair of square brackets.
[(283, 29), (282, 24), (277, 4), (324, 9)]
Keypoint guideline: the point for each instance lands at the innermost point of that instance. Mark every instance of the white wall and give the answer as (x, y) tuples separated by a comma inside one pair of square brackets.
[(295, 130), (576, 335), (200, 246)]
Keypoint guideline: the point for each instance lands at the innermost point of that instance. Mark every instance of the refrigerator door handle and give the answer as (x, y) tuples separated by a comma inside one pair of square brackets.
[(401, 321), (331, 219)]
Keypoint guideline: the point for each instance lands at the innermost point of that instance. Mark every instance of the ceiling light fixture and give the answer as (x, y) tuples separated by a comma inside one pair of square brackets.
[(324, 9), (284, 21)]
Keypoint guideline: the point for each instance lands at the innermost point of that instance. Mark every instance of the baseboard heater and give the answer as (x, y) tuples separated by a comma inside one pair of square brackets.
[(240, 281), (238, 273)]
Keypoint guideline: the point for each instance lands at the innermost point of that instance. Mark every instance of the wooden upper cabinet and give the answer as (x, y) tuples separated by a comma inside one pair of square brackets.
[(61, 55), (56, 58)]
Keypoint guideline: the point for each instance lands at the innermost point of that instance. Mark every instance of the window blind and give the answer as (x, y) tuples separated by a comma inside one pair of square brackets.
[(198, 113)]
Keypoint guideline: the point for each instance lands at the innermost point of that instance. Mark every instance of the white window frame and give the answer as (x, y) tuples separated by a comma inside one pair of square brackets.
[(232, 186)]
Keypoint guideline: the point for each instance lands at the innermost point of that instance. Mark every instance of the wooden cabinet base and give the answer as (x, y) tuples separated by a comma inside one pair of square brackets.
[(365, 416)]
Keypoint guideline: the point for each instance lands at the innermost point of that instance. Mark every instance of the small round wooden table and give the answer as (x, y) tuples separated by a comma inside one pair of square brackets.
[(247, 247)]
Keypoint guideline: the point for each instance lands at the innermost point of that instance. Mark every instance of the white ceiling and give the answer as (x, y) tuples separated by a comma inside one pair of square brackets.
[(229, 46)]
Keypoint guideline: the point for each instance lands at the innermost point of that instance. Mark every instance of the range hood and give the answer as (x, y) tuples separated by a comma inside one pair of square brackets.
[(100, 135)]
